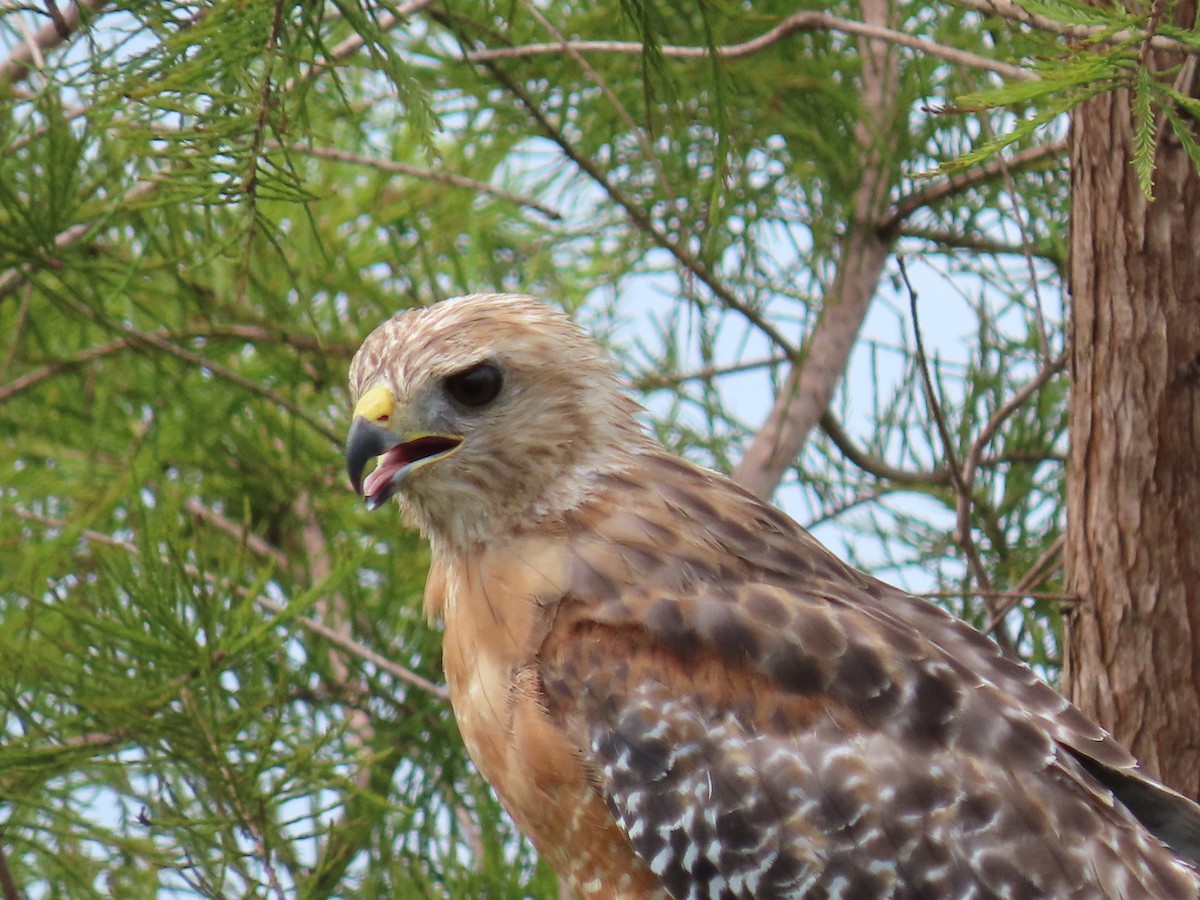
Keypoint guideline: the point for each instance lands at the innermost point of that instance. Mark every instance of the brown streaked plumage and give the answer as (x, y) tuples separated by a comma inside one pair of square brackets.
[(677, 692)]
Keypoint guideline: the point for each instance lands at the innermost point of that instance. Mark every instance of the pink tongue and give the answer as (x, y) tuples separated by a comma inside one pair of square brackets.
[(382, 475)]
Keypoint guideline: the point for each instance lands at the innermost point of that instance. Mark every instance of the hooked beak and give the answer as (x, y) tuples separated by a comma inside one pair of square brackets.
[(399, 455)]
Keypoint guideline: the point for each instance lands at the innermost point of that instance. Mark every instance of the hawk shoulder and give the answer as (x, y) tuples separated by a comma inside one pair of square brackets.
[(763, 721)]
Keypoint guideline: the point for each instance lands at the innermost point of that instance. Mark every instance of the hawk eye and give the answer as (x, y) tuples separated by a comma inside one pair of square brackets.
[(476, 386)]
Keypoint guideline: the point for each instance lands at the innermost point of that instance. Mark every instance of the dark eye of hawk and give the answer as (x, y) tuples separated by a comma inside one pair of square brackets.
[(476, 386)]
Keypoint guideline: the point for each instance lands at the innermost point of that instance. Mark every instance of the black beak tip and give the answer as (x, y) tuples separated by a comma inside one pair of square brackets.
[(364, 442)]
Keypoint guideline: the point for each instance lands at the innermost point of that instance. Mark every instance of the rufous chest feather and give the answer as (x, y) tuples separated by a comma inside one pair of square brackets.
[(497, 607)]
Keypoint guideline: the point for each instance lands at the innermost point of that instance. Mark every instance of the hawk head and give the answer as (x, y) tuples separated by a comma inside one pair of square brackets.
[(483, 411)]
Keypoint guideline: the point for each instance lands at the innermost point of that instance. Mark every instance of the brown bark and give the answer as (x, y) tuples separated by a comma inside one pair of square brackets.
[(1133, 486)]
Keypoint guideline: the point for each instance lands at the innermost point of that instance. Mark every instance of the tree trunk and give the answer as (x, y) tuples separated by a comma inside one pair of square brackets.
[(1133, 486)]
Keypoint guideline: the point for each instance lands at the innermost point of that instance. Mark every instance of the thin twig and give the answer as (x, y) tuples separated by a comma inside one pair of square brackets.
[(1019, 398), (239, 533), (838, 436), (219, 371), (963, 535), (13, 278), (342, 642), (249, 823), (1098, 34), (1009, 595), (17, 330), (257, 136), (798, 22), (29, 55), (1186, 71), (212, 332), (639, 134), (657, 382), (946, 241), (640, 219), (837, 509), (351, 45), (17, 275), (399, 168), (875, 465), (312, 625), (1157, 9), (1038, 573), (976, 175)]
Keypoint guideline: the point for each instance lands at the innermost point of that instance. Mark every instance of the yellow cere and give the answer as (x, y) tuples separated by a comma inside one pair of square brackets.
[(376, 404)]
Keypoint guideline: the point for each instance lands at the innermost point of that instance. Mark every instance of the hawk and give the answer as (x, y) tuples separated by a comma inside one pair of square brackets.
[(677, 692)]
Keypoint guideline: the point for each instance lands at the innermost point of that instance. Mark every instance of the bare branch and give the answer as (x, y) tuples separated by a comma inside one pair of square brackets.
[(223, 372), (347, 48), (29, 56), (640, 219), (239, 533), (239, 332), (1042, 569), (874, 465), (1100, 34), (1014, 596), (658, 382), (639, 134), (249, 823), (8, 887), (358, 650), (970, 466), (257, 137), (17, 275), (963, 533), (838, 509), (17, 331), (939, 477), (864, 250), (946, 241), (973, 177), (399, 168), (799, 22)]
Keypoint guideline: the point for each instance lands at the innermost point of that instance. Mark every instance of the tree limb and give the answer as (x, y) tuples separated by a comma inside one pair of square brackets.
[(399, 168), (864, 250), (254, 333), (8, 887), (1100, 34), (638, 216), (223, 372), (969, 178), (947, 241), (798, 22), (28, 57)]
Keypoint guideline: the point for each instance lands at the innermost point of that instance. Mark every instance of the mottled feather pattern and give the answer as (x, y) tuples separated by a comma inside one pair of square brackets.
[(835, 730), (677, 692)]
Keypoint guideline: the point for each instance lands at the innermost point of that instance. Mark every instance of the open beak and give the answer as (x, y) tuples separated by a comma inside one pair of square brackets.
[(398, 454)]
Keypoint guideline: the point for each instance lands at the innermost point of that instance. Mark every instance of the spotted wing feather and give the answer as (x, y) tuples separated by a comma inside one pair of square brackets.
[(779, 725)]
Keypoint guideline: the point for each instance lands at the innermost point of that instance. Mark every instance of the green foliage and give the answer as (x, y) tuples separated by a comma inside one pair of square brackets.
[(205, 207), (1112, 53)]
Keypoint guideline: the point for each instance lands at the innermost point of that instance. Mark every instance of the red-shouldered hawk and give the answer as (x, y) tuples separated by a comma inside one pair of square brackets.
[(677, 692)]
